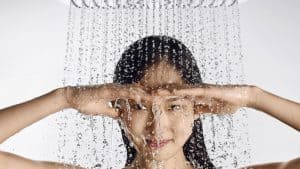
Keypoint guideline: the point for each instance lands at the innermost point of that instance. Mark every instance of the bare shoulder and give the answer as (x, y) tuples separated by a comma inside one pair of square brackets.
[(276, 165), (292, 164), (13, 161)]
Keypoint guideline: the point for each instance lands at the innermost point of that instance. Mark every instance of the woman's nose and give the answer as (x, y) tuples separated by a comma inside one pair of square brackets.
[(158, 121), (156, 127)]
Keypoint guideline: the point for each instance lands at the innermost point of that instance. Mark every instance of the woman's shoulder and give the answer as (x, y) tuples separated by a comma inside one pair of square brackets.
[(276, 165), (292, 164)]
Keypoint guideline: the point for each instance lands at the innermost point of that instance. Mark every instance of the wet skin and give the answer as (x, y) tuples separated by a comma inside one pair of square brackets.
[(159, 124)]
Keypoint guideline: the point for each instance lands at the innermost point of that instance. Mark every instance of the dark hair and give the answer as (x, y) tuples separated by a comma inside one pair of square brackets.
[(131, 68)]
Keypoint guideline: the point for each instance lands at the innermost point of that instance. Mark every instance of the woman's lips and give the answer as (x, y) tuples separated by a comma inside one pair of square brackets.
[(155, 144)]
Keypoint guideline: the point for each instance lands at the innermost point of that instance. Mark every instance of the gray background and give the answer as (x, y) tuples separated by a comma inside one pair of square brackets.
[(33, 39)]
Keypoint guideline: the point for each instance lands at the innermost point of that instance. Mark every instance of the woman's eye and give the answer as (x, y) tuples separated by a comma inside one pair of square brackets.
[(138, 107), (175, 107)]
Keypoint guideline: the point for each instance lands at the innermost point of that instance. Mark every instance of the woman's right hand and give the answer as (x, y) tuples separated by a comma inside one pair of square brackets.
[(209, 98), (95, 100)]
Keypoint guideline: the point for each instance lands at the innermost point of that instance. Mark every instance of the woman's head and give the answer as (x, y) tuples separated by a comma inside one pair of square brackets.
[(159, 119), (154, 62), (142, 54)]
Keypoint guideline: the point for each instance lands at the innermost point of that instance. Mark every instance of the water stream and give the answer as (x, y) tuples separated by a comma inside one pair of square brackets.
[(98, 33)]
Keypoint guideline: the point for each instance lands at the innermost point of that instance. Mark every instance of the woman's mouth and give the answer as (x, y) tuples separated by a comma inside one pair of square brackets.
[(155, 144)]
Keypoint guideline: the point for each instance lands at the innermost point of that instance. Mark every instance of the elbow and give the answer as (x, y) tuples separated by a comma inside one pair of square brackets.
[(3, 160), (2, 139)]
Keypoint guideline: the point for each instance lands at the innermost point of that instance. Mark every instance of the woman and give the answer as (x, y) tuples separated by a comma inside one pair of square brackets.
[(157, 96)]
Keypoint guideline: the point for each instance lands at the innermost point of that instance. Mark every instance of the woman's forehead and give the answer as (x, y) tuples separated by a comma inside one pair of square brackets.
[(161, 74)]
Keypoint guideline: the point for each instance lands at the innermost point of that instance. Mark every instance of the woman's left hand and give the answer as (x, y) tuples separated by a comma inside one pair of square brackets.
[(210, 98)]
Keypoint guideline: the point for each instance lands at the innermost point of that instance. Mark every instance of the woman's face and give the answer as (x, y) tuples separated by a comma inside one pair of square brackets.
[(159, 127)]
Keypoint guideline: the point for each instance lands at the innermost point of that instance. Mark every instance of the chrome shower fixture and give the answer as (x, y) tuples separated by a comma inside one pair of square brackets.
[(140, 4)]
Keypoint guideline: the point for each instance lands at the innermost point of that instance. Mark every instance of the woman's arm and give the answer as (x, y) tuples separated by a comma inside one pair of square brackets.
[(276, 165), (12, 161), (17, 117), (228, 98), (235, 96), (292, 164), (86, 99), (282, 109)]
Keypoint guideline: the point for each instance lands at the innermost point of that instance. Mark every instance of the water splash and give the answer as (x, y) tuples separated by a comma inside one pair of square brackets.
[(99, 32)]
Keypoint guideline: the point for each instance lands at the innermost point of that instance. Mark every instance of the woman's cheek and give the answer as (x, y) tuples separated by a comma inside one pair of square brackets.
[(182, 126), (181, 117)]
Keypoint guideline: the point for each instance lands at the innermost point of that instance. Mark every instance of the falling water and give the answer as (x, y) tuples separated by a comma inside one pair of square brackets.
[(98, 33)]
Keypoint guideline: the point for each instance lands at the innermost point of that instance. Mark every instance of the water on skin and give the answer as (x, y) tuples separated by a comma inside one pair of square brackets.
[(97, 37)]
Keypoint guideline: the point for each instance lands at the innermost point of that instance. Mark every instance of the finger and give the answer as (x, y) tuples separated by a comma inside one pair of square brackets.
[(113, 113), (200, 91), (189, 91), (128, 92), (209, 105), (202, 108), (136, 94), (161, 92), (139, 95)]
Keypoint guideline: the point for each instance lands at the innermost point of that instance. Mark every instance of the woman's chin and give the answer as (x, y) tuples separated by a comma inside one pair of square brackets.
[(160, 154)]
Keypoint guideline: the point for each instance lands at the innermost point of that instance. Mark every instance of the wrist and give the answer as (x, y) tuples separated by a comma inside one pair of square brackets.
[(63, 94), (254, 93)]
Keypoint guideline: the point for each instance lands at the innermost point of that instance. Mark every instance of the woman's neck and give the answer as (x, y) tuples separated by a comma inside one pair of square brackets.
[(178, 161)]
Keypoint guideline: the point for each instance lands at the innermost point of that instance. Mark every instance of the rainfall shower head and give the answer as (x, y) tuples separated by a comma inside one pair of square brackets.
[(116, 4)]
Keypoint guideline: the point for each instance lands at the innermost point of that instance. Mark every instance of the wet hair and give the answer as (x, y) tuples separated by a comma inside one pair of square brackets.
[(131, 68)]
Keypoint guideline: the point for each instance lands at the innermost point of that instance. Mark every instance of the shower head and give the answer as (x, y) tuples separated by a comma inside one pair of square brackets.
[(136, 4)]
